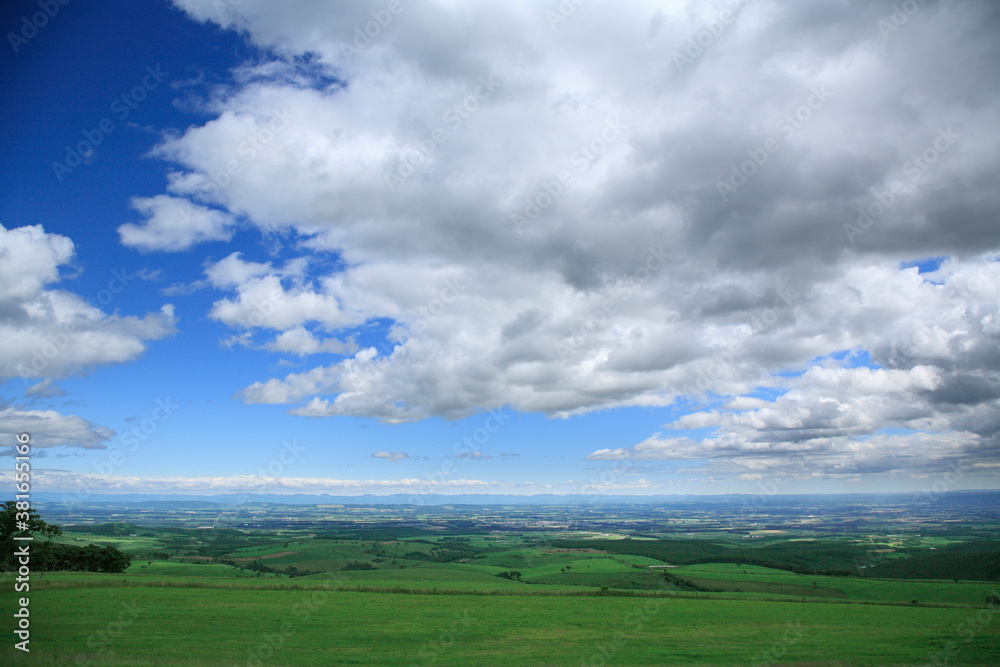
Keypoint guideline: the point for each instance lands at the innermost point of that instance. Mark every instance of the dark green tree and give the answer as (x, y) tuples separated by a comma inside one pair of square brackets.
[(49, 556), (9, 527)]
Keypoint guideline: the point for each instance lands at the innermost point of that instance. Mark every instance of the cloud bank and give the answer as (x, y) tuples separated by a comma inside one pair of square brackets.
[(627, 205)]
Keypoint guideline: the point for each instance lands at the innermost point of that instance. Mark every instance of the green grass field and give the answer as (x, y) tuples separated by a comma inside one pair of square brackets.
[(199, 598), (729, 577), (191, 626)]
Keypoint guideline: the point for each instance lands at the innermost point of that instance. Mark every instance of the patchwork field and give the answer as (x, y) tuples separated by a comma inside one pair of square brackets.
[(448, 595)]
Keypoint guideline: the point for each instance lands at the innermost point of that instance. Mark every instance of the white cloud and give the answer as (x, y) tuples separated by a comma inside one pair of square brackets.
[(233, 271), (173, 224), (264, 302), (628, 280), (31, 259), (49, 428), (302, 342), (391, 456), (44, 389), (71, 483), (74, 484), (49, 333), (831, 422), (294, 387)]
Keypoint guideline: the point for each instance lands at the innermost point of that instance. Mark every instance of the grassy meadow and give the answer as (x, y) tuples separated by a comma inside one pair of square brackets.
[(290, 626), (207, 598)]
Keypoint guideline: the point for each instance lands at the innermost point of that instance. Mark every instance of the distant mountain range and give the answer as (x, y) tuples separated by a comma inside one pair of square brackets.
[(981, 496)]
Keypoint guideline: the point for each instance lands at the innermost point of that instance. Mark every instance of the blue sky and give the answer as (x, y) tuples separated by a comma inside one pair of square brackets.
[(473, 253)]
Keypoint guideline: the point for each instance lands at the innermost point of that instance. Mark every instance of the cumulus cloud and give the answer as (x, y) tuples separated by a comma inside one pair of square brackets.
[(31, 260), (302, 342), (564, 228), (173, 224), (842, 421), (49, 428), (52, 333), (292, 388), (265, 302)]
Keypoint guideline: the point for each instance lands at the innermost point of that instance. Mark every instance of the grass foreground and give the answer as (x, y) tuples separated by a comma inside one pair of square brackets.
[(515, 586), (90, 624)]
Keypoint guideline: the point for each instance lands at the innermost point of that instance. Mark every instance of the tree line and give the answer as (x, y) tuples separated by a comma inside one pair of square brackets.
[(49, 556)]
